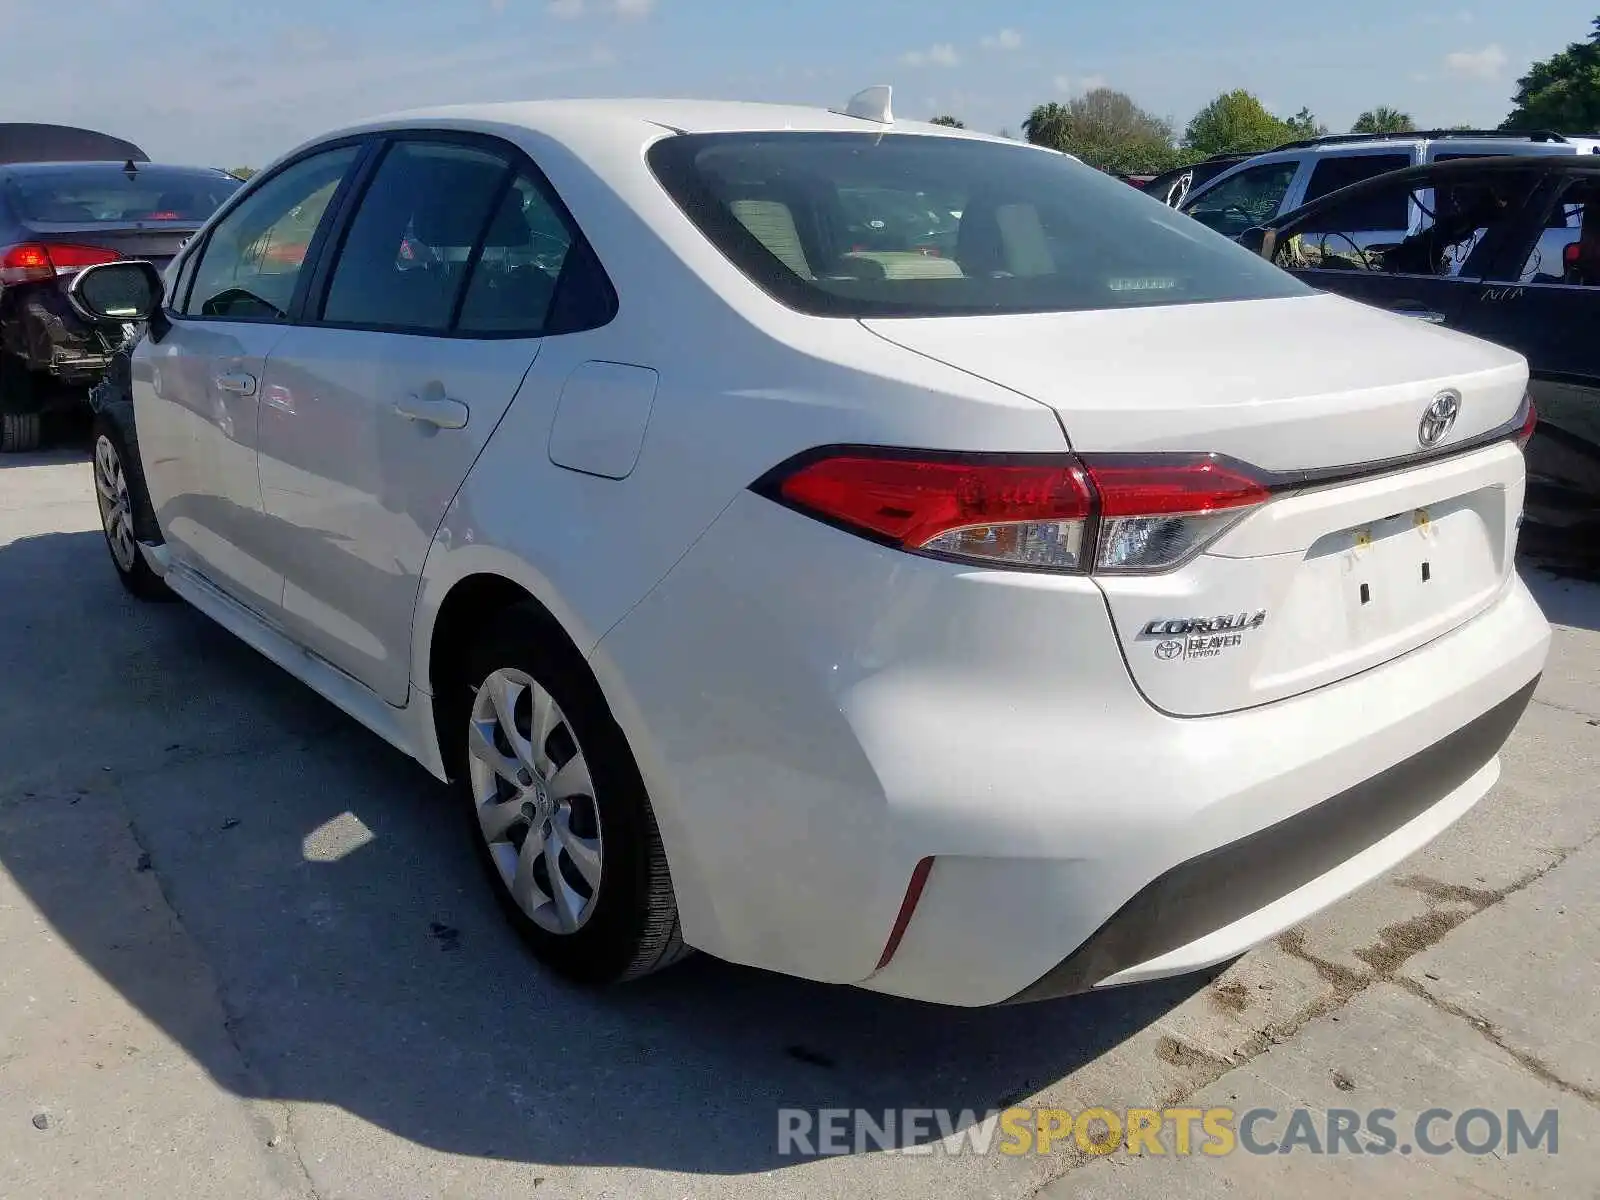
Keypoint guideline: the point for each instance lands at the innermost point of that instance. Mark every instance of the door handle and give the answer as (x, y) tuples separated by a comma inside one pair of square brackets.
[(1419, 314), (437, 410), (240, 383)]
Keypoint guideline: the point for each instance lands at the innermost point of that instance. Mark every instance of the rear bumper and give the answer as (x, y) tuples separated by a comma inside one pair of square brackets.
[(809, 736), (38, 326), (1225, 900)]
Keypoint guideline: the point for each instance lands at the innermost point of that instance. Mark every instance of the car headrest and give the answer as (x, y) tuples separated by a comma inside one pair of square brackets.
[(443, 215), (509, 229)]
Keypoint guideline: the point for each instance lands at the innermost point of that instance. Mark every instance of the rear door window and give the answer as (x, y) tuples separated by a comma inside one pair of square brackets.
[(1340, 171), (409, 248), (525, 251)]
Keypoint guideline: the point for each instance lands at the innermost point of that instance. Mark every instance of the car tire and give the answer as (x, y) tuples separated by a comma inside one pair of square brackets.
[(561, 822), (19, 432), (126, 518)]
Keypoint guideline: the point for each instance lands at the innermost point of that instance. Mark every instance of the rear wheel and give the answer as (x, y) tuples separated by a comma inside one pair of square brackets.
[(558, 812), (123, 509), (20, 423), (19, 432)]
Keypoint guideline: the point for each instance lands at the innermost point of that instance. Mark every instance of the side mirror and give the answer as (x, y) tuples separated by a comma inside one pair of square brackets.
[(117, 293)]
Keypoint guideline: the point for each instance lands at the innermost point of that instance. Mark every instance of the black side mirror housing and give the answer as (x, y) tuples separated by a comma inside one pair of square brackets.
[(125, 292)]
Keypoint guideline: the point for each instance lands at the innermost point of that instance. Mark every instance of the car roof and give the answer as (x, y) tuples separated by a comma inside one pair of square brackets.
[(1336, 141), (1436, 172), (632, 117)]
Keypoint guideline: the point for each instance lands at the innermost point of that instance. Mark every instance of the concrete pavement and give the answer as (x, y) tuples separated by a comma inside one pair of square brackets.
[(245, 954)]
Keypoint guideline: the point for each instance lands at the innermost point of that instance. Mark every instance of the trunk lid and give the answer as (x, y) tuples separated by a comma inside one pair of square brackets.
[(1324, 580), (155, 242)]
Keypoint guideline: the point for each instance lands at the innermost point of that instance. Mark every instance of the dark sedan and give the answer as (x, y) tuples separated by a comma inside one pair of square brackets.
[(1505, 248), (56, 218)]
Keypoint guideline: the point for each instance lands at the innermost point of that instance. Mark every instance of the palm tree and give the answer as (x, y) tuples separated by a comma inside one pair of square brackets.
[(1048, 125), (1384, 119)]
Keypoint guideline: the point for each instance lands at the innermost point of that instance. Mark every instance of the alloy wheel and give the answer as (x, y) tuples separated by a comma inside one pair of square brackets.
[(535, 801), (116, 510)]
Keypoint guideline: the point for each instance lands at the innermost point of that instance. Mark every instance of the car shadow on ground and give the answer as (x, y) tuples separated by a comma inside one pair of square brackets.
[(338, 913), (1567, 595)]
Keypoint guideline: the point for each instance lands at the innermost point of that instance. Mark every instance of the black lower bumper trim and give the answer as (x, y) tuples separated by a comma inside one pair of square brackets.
[(1217, 888)]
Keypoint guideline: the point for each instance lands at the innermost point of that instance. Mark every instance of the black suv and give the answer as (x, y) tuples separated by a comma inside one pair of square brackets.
[(55, 218), (1506, 249)]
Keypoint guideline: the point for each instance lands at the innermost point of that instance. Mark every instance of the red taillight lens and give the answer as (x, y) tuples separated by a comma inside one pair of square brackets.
[(1530, 422), (34, 261), (1570, 253), (1030, 514), (1059, 513)]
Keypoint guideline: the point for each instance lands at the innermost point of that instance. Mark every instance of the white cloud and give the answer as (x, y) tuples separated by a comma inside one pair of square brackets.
[(634, 8), (1477, 64), (1074, 85), (942, 55), (566, 10), (1006, 39)]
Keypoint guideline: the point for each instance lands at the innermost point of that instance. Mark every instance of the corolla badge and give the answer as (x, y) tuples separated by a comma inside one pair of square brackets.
[(1438, 419)]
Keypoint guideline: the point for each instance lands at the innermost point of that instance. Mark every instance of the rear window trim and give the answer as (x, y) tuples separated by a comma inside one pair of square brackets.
[(670, 161)]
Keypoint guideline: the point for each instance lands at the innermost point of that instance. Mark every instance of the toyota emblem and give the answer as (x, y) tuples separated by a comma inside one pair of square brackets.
[(1439, 419)]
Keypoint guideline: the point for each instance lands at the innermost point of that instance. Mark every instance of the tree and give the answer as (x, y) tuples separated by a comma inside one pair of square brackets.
[(1562, 93), (1384, 119), (1106, 129), (953, 122), (1304, 125), (241, 172), (1236, 123)]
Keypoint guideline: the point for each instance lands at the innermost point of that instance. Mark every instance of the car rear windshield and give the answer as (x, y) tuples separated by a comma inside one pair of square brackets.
[(908, 225), (105, 194)]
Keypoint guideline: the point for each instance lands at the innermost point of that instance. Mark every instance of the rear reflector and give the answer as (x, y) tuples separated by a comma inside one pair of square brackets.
[(33, 262), (919, 880), (1041, 512), (1530, 422)]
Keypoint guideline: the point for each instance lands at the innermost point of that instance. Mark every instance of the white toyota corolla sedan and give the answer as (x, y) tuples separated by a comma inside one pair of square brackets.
[(859, 549)]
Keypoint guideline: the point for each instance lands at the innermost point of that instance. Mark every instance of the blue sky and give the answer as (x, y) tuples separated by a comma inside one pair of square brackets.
[(231, 84)]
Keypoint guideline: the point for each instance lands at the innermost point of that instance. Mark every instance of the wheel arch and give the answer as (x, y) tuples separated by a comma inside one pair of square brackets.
[(453, 608), (454, 605)]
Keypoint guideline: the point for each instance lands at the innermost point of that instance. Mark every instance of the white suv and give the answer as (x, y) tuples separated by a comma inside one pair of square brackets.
[(1280, 181), (973, 610)]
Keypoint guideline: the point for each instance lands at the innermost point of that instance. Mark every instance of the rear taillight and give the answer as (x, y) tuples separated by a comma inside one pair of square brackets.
[(32, 262), (1158, 512), (1050, 512), (1530, 422), (1023, 513), (1570, 254)]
